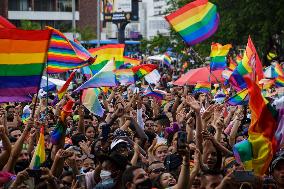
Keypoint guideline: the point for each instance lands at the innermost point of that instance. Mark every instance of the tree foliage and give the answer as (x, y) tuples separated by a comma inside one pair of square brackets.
[(261, 19), (29, 25)]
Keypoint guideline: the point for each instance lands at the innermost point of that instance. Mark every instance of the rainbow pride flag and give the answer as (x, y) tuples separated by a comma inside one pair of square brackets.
[(39, 153), (218, 56), (256, 153), (22, 59), (279, 81), (278, 69), (104, 78), (239, 59), (202, 87), (91, 102), (155, 94), (241, 98), (125, 76), (232, 64), (131, 61), (195, 21), (168, 60), (106, 53), (62, 91), (142, 70), (251, 62), (4, 23), (64, 55)]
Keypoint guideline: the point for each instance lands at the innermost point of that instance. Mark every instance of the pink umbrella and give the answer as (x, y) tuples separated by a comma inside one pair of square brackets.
[(200, 74)]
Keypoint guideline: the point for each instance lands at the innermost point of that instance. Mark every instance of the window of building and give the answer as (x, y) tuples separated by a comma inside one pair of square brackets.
[(66, 5), (18, 5), (44, 5)]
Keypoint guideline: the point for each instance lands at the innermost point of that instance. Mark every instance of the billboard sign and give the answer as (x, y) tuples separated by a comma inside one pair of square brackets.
[(120, 10)]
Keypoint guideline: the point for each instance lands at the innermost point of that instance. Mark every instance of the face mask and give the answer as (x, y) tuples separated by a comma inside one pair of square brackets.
[(146, 184), (248, 116), (105, 175), (84, 170)]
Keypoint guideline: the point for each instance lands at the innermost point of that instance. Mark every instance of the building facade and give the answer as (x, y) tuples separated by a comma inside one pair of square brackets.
[(55, 13)]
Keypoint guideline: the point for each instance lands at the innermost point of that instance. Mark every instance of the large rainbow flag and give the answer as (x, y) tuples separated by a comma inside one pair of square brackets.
[(39, 153), (218, 56), (195, 21), (256, 153), (106, 53), (22, 59), (64, 54)]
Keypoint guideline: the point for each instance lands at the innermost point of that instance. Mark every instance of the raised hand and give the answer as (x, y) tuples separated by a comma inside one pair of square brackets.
[(193, 103)]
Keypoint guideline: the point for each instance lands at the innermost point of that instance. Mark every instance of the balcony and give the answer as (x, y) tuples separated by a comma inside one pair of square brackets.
[(41, 15)]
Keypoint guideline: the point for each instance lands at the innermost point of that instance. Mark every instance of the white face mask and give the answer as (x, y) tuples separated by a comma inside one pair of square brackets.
[(105, 175)]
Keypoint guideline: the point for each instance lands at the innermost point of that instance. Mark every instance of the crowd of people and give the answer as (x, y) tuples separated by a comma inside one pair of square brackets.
[(183, 141)]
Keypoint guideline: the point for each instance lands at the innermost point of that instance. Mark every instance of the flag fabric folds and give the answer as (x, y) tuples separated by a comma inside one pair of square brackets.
[(104, 78), (232, 64), (241, 98), (218, 56), (261, 144), (61, 92), (64, 54), (125, 76), (106, 53), (142, 70), (22, 59), (278, 69), (39, 153), (5, 23), (195, 21), (251, 62), (91, 102), (202, 87), (131, 61), (279, 81)]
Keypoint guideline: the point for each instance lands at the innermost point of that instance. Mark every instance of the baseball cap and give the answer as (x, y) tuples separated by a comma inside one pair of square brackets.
[(117, 142), (278, 157)]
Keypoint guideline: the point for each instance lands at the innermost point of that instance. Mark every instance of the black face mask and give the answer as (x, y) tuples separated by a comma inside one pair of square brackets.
[(22, 165), (146, 184)]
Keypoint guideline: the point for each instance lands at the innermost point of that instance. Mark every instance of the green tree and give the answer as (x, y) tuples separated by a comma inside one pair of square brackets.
[(29, 25), (262, 20), (86, 34)]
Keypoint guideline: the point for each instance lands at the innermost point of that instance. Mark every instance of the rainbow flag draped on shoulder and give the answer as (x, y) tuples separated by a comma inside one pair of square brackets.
[(218, 56), (39, 153), (64, 54), (256, 153), (22, 59), (195, 21), (106, 53)]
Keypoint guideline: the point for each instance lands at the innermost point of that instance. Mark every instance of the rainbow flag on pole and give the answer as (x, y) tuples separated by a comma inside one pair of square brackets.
[(22, 58), (39, 153), (202, 87), (142, 70), (218, 56), (241, 98), (195, 22), (61, 92), (64, 54), (106, 53), (168, 60)]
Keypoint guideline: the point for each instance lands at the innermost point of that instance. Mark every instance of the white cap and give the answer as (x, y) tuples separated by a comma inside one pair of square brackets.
[(116, 142)]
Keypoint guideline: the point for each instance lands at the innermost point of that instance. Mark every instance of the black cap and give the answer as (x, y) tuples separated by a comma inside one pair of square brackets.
[(172, 162)]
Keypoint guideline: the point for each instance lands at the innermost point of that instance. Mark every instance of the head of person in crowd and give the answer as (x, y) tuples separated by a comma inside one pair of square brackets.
[(135, 177), (155, 168), (277, 169), (165, 180), (160, 151)]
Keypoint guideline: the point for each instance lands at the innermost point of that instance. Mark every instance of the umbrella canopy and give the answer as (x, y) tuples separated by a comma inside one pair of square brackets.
[(200, 74)]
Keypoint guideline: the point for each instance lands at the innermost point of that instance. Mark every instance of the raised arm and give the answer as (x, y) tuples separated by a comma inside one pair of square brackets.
[(4, 156)]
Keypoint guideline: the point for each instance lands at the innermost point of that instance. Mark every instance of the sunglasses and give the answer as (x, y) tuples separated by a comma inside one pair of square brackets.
[(158, 170)]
